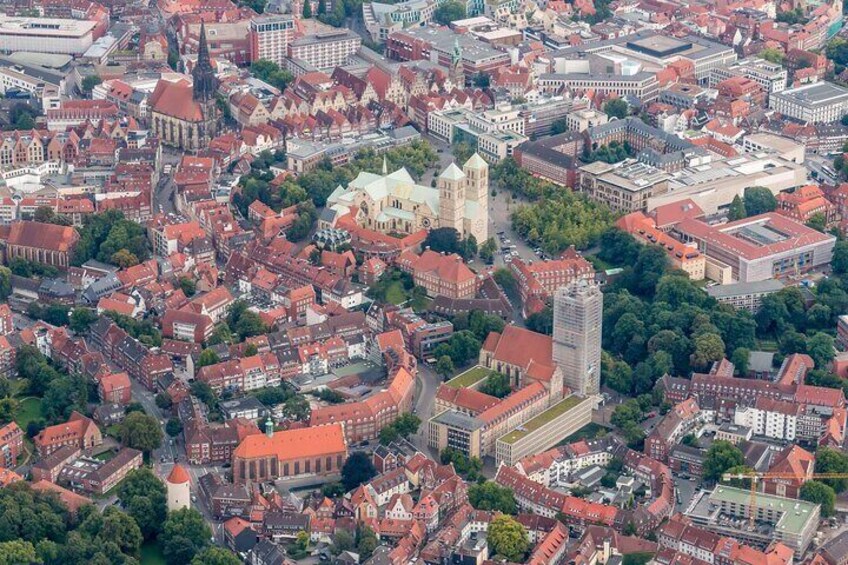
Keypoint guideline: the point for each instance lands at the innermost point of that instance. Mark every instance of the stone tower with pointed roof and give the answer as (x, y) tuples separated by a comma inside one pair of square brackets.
[(451, 185), (477, 194), (205, 88)]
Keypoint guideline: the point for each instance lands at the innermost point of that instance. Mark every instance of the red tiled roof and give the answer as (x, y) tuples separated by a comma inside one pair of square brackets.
[(175, 99)]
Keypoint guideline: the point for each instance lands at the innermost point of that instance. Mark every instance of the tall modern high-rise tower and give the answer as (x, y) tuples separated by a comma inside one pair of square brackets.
[(578, 313)]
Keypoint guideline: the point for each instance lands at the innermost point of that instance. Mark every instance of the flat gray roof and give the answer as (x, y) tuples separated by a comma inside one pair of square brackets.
[(459, 420), (818, 93), (737, 289)]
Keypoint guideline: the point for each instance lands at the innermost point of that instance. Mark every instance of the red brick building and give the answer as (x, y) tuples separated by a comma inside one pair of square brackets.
[(47, 244), (364, 420), (538, 281), (115, 388), (440, 275), (78, 430), (11, 444), (214, 443), (316, 450)]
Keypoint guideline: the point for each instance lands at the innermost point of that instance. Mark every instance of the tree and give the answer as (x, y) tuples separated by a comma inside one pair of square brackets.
[(81, 319), (840, 257), (204, 393), (216, 556), (17, 552), (184, 535), (141, 431), (5, 283), (740, 360), (164, 401), (449, 12), (558, 126), (744, 483), (832, 461), (541, 322), (497, 385), (307, 9), (442, 240), (818, 222), (357, 469), (487, 251), (617, 108), (721, 456), (481, 80), (491, 496), (819, 493), (89, 82), (366, 541), (188, 286), (709, 348), (174, 427), (759, 200), (821, 348), (207, 357), (444, 366), (143, 495), (618, 247), (322, 7), (651, 264), (772, 55), (342, 541), (508, 538), (736, 210), (297, 408)]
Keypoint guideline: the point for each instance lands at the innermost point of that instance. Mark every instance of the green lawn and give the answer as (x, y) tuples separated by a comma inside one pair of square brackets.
[(767, 345), (114, 430), (470, 377), (545, 417), (395, 294), (589, 431), (28, 411), (151, 554)]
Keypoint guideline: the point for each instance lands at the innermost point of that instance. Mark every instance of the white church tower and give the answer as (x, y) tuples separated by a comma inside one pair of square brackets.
[(476, 172), (451, 185)]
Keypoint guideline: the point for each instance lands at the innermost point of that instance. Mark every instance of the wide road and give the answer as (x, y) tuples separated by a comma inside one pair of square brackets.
[(425, 388)]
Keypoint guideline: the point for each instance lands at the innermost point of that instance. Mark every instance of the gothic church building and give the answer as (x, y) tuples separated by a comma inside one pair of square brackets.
[(183, 114)]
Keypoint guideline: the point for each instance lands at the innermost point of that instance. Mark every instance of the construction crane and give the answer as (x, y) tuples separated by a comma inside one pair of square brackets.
[(756, 476)]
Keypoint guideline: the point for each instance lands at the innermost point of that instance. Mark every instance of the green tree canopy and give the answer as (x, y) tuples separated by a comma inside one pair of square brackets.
[(185, 534), (357, 469), (819, 493), (759, 200), (721, 456), (491, 496), (508, 538), (448, 12), (141, 431), (617, 108)]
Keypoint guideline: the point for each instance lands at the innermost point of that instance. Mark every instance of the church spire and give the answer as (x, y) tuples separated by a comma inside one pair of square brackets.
[(205, 82)]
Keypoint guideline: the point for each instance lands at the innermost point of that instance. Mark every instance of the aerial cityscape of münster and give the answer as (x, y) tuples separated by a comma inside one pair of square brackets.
[(423, 282)]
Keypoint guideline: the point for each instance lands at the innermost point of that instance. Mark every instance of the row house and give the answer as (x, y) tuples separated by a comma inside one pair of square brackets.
[(214, 443), (11, 444), (240, 375)]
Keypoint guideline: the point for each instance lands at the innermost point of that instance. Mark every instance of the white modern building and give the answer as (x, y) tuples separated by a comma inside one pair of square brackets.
[(816, 102), (46, 35)]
